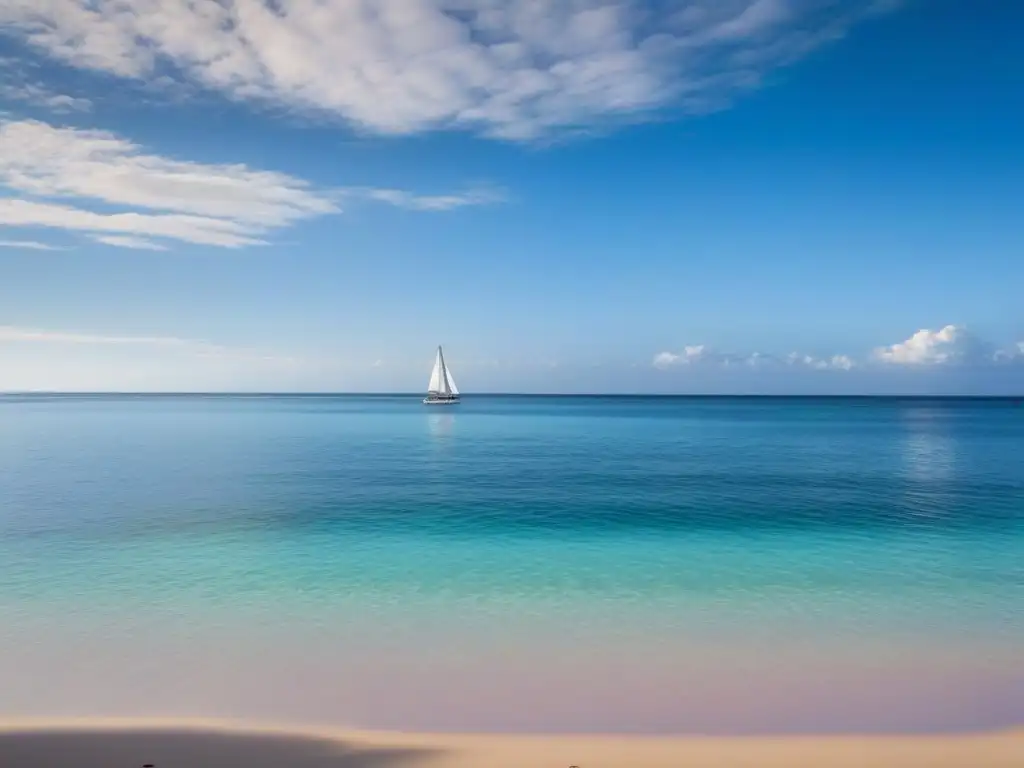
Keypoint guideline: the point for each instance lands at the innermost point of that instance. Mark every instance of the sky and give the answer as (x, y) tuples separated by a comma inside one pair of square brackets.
[(728, 196)]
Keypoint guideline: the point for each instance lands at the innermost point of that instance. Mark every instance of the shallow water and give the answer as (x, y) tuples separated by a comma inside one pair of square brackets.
[(515, 563)]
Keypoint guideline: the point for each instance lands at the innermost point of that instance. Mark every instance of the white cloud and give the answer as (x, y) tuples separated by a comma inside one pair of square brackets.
[(30, 245), (700, 354), (951, 345), (665, 360), (695, 353), (516, 69), (42, 160), (221, 205), (39, 95), (129, 241), (192, 229)]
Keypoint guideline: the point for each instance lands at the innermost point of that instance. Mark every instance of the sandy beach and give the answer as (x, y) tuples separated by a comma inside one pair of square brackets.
[(109, 744)]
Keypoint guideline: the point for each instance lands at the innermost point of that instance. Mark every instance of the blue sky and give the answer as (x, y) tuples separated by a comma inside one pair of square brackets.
[(741, 196)]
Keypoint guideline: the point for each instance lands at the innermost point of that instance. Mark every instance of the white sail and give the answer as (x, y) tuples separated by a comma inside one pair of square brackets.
[(451, 382), (436, 377)]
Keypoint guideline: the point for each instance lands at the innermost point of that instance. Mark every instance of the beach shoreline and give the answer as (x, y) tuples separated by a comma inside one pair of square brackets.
[(182, 743)]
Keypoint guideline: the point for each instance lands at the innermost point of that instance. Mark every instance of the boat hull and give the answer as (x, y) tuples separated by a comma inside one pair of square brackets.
[(440, 400)]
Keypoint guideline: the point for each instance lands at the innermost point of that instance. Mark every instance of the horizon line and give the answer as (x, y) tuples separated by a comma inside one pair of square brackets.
[(623, 395)]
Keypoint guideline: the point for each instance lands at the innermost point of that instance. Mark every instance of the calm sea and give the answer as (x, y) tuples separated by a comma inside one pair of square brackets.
[(515, 563)]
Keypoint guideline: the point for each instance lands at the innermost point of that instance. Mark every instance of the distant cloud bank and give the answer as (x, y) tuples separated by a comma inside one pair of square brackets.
[(949, 346)]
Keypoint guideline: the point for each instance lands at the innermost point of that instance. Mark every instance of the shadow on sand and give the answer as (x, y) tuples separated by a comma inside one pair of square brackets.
[(191, 749)]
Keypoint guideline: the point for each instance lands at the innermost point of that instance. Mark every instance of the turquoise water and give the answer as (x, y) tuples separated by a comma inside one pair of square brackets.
[(711, 564)]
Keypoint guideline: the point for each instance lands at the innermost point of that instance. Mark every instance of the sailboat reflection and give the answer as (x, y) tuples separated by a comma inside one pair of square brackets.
[(929, 463), (441, 424)]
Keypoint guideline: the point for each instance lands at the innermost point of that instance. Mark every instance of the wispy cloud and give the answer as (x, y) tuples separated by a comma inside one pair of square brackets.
[(665, 360), (195, 348), (514, 69), (130, 241), (30, 245), (9, 333), (693, 354), (1014, 353), (19, 84), (72, 360), (223, 205), (414, 202), (190, 229), (39, 95), (834, 363), (702, 355)]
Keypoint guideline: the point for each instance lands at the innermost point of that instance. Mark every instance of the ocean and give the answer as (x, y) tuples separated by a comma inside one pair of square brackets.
[(514, 563)]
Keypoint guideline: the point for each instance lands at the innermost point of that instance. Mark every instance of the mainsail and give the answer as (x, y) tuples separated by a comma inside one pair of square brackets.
[(442, 385)]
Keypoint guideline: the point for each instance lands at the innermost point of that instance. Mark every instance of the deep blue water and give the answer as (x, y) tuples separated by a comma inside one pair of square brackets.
[(864, 520), (509, 465)]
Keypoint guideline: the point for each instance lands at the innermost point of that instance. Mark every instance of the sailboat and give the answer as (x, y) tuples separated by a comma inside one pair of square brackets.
[(442, 389)]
